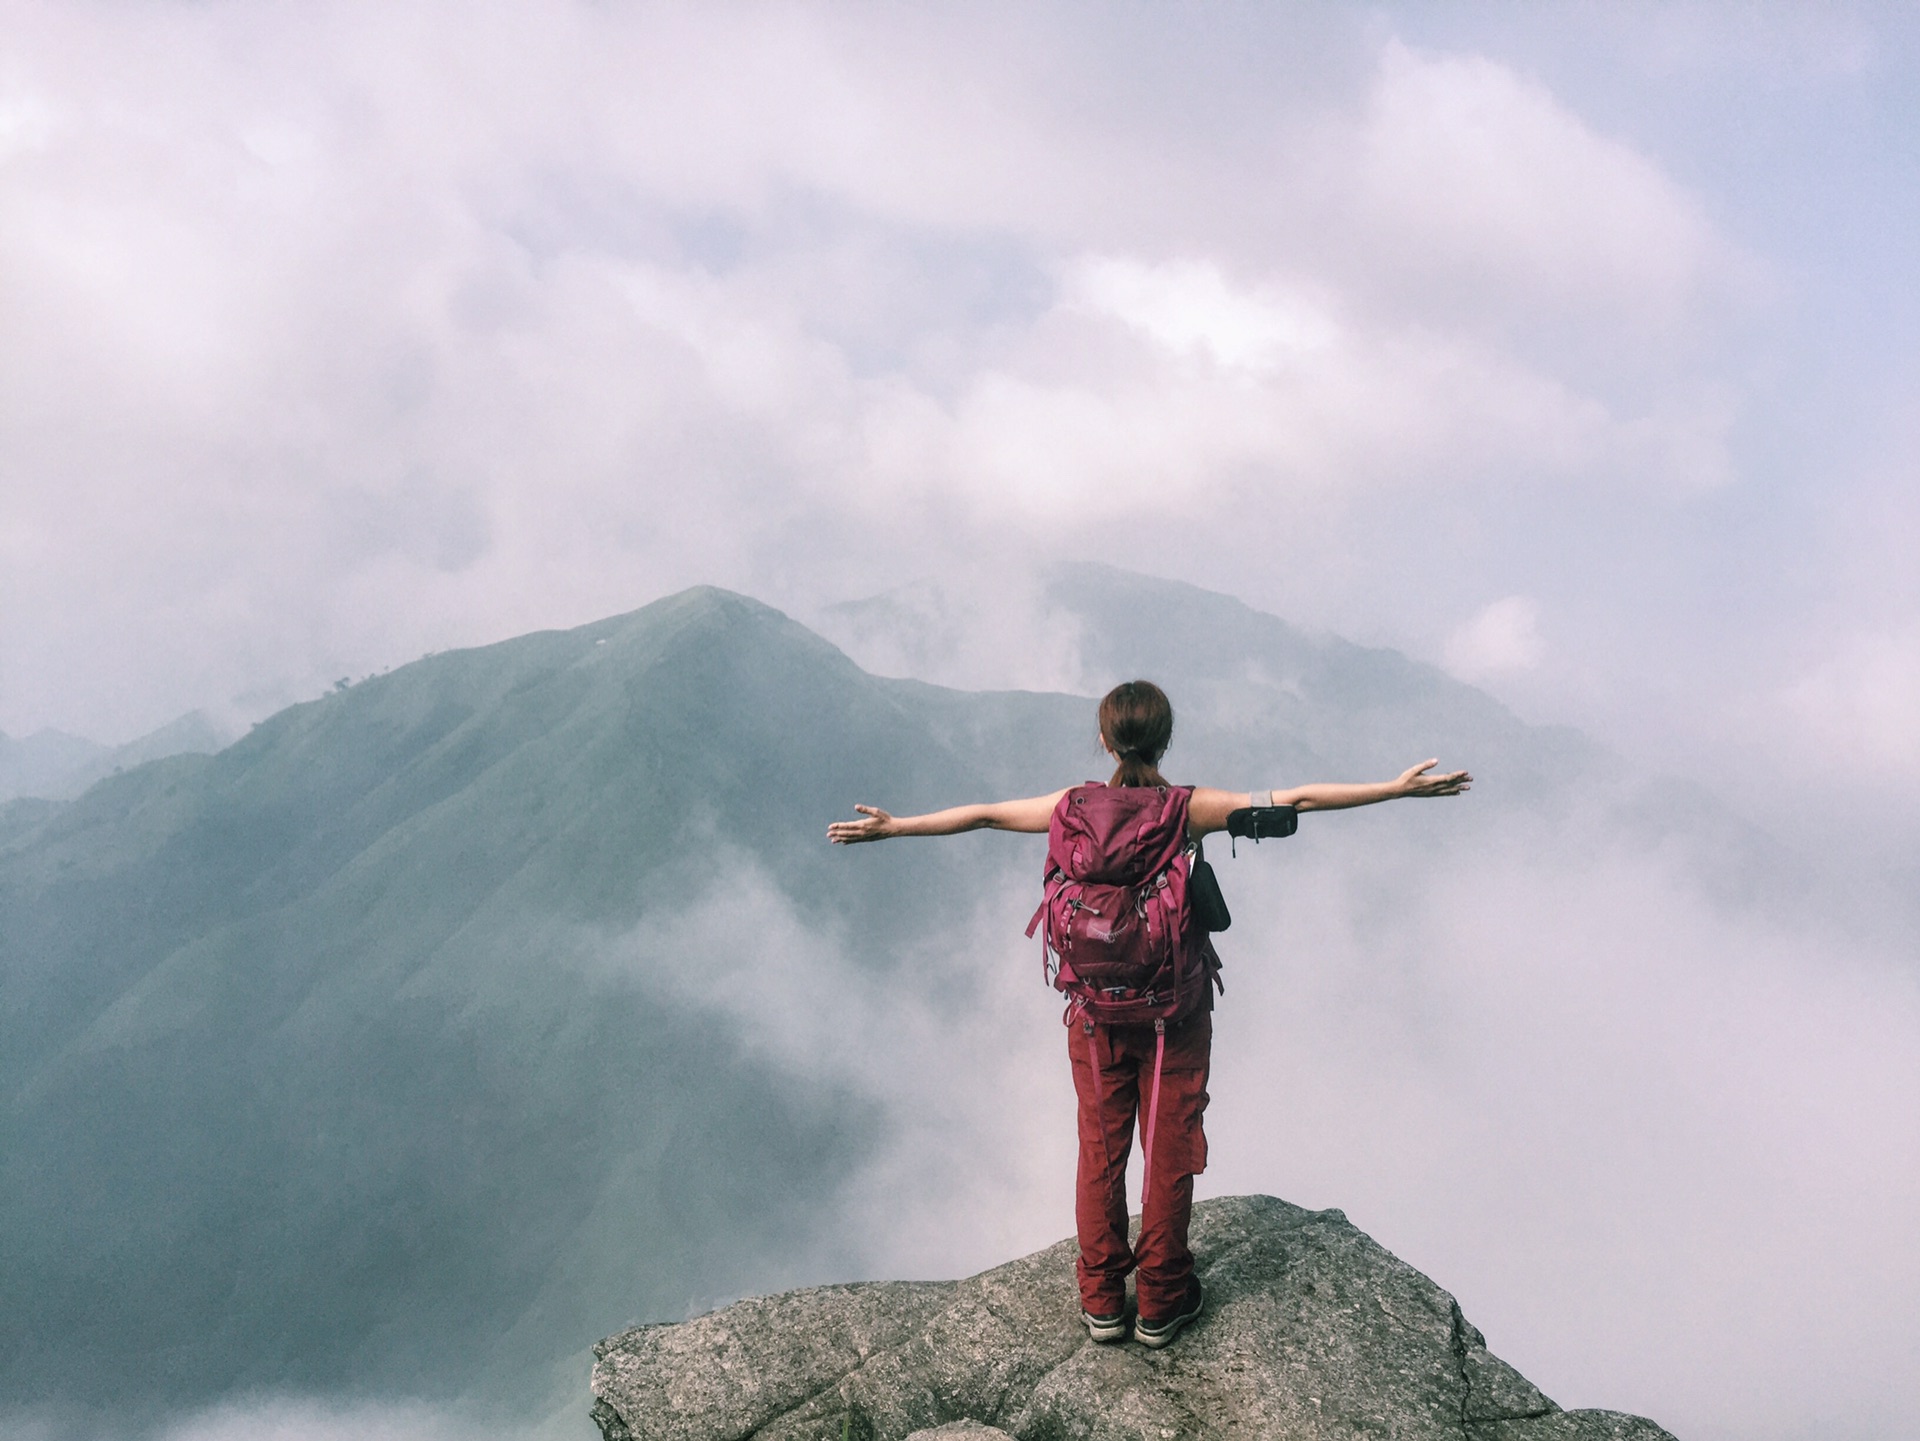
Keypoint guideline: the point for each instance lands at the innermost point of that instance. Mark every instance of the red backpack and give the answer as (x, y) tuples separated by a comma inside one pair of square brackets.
[(1121, 938)]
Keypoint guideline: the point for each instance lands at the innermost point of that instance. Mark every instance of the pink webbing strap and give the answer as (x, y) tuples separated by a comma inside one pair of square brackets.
[(1039, 914), (1093, 1065), (1153, 1109)]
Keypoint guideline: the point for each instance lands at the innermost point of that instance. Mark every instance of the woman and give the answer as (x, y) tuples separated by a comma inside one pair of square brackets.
[(1109, 1061)]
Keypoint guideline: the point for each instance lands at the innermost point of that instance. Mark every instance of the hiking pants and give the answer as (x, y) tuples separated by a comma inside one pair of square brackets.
[(1122, 1056)]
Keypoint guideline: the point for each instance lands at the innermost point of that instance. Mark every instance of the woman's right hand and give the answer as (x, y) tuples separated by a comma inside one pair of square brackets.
[(876, 826)]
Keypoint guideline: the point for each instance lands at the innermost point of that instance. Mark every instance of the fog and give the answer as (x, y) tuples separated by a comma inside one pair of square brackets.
[(1659, 1146)]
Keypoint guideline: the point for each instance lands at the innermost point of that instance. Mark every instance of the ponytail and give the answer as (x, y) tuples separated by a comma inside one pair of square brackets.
[(1136, 722)]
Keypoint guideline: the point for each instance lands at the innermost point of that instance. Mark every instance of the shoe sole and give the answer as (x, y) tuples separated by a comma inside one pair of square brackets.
[(1163, 1335), (1106, 1332)]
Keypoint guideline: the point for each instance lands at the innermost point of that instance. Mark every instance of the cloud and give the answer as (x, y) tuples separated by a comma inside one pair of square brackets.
[(1861, 705), (999, 633), (1648, 1140), (1478, 178), (327, 353), (946, 1041), (1652, 1140), (1190, 308), (267, 1417), (1503, 637), (314, 1419)]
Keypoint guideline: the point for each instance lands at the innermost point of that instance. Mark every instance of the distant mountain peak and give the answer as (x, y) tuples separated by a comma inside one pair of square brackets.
[(55, 766)]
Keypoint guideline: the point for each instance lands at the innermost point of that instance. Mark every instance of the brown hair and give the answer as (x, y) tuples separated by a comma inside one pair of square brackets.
[(1136, 722)]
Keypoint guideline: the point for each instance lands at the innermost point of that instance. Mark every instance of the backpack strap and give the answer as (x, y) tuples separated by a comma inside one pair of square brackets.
[(1052, 886), (1073, 1013), (1153, 1111)]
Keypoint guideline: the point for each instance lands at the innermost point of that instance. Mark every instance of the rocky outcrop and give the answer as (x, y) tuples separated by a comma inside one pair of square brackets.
[(1311, 1330)]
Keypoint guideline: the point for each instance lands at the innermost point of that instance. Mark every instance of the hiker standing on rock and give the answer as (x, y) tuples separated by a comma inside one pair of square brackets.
[(1125, 913)]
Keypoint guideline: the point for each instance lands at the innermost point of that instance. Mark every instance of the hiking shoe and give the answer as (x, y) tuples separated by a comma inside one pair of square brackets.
[(1106, 1328), (1158, 1333)]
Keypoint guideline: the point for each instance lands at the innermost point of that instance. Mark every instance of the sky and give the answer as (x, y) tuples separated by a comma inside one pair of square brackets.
[(1570, 348)]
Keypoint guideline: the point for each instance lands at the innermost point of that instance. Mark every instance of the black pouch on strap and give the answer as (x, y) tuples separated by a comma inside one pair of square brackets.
[(1203, 894)]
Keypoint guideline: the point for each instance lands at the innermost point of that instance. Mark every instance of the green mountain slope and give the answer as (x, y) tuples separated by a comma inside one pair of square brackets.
[(302, 1081)]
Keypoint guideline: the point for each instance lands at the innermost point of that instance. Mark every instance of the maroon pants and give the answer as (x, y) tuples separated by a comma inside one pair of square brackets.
[(1122, 1057)]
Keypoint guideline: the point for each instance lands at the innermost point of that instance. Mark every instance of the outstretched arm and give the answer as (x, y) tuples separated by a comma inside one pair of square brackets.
[(1209, 809), (1031, 814)]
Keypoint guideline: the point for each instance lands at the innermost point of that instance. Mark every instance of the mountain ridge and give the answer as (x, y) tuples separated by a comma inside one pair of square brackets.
[(51, 765), (1244, 677)]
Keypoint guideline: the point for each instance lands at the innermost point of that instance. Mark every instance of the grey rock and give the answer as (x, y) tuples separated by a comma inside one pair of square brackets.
[(1570, 1426), (1312, 1330), (746, 1366)]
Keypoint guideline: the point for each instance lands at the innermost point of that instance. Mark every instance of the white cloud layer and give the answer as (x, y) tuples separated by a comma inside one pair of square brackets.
[(1503, 637), (334, 336), (1862, 703), (1654, 1142), (1477, 178)]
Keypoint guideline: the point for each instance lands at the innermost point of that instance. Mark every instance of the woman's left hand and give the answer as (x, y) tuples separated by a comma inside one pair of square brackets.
[(1414, 781)]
